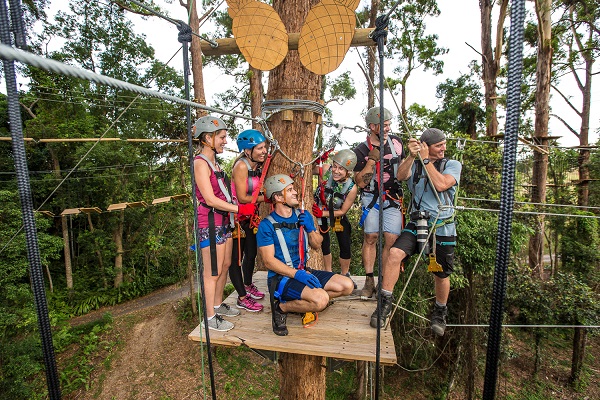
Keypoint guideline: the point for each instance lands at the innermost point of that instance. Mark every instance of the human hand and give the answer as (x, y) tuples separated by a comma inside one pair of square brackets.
[(306, 220), (414, 146), (246, 210), (307, 278), (374, 154), (317, 211)]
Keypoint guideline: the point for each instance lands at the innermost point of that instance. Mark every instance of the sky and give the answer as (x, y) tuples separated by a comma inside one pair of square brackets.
[(455, 27)]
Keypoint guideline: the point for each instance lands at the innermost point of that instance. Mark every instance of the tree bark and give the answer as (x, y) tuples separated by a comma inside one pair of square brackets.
[(256, 94), (118, 239), (490, 60), (67, 252), (188, 237), (97, 251), (302, 376), (371, 56), (196, 55), (542, 115)]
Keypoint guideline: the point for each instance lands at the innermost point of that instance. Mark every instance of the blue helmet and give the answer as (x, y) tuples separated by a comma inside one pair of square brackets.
[(249, 138)]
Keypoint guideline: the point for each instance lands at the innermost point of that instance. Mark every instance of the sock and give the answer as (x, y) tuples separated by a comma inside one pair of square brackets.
[(437, 303), (210, 318), (370, 274), (386, 293), (215, 307)]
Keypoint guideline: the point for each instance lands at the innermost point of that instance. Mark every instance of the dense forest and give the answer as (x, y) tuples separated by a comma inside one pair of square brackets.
[(110, 182)]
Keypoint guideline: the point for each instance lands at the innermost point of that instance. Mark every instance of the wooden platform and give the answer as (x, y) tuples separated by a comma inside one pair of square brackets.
[(342, 331)]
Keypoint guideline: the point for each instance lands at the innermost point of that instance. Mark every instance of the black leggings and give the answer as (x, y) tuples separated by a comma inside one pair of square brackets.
[(249, 250), (344, 238)]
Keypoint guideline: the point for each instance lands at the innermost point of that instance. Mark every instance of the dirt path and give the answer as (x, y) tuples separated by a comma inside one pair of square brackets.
[(169, 294)]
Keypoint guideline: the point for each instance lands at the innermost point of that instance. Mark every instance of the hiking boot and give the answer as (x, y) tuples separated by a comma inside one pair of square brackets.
[(249, 304), (348, 275), (369, 289), (438, 319), (225, 310), (278, 319), (387, 304), (253, 291), (217, 323)]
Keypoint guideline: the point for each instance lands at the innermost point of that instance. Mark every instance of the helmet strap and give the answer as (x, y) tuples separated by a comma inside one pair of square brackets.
[(250, 156)]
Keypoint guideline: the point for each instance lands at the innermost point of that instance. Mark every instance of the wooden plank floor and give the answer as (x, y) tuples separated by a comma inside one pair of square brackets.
[(342, 330)]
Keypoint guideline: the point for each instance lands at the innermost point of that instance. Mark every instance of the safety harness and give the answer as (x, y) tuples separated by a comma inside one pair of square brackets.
[(278, 226), (223, 183), (419, 174), (396, 190), (334, 200)]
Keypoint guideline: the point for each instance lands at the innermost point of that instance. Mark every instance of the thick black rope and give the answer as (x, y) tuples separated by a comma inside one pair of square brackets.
[(379, 35), (513, 111), (185, 38), (22, 173)]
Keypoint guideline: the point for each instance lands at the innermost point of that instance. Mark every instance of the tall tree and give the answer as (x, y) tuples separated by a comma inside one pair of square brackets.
[(543, 10), (302, 377), (490, 59)]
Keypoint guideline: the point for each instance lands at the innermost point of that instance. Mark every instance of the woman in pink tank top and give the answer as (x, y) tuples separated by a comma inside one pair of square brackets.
[(215, 202)]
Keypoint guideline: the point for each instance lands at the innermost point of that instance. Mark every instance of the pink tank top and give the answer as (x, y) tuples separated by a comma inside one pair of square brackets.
[(251, 183), (220, 219)]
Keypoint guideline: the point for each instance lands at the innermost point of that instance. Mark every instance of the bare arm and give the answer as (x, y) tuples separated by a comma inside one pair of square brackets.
[(240, 180), (315, 239), (404, 169), (267, 254), (363, 177), (202, 178), (441, 182)]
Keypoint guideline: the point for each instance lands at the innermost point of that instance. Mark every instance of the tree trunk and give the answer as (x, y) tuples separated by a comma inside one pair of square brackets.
[(542, 115), (256, 94), (67, 252), (471, 354), (579, 341), (196, 53), (118, 239), (490, 60), (302, 376), (371, 57), (188, 239)]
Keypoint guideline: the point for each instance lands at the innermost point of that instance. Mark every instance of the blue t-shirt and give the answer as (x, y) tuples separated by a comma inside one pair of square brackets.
[(266, 236), (424, 197)]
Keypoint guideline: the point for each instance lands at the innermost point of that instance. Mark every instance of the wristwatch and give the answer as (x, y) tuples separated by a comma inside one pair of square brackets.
[(425, 161)]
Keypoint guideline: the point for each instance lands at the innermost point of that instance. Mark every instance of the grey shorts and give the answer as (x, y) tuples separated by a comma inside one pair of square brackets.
[(392, 217)]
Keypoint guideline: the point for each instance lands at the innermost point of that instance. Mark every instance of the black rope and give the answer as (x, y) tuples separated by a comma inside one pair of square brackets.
[(18, 145), (185, 32), (188, 115), (515, 67), (379, 35)]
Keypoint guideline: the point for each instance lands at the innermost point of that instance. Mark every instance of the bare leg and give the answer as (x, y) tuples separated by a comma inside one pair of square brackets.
[(210, 282), (345, 265), (327, 260), (339, 285), (224, 257), (442, 289), (392, 269), (312, 300), (369, 251)]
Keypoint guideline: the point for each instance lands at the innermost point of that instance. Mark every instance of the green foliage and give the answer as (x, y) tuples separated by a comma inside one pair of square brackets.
[(580, 248)]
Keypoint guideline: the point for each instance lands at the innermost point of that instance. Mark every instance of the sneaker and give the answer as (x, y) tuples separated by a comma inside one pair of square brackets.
[(249, 304), (438, 319), (369, 289), (217, 323), (225, 310), (348, 275), (253, 291), (279, 319), (387, 303)]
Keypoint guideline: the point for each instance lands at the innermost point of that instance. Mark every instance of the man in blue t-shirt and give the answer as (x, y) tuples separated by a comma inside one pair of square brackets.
[(293, 287), (432, 182)]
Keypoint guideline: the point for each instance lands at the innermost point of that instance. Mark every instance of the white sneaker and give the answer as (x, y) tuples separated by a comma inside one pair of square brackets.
[(217, 323), (225, 310)]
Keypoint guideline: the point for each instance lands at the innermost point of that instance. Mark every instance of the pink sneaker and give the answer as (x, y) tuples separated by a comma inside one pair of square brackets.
[(249, 304), (253, 291)]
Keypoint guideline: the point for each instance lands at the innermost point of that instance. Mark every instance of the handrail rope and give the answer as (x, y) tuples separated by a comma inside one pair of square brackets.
[(532, 203), (87, 152), (531, 212), (9, 53)]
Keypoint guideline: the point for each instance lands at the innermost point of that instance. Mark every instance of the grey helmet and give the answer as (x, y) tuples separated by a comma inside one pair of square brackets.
[(277, 183), (373, 115), (208, 124), (346, 159)]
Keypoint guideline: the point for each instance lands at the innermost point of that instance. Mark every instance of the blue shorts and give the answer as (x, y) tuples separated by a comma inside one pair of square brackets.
[(392, 216), (293, 288)]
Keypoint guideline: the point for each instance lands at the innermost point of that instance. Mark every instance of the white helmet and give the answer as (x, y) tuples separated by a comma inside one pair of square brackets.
[(208, 124), (277, 183), (346, 159), (373, 115)]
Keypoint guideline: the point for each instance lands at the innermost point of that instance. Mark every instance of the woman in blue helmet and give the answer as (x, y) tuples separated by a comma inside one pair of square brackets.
[(247, 171)]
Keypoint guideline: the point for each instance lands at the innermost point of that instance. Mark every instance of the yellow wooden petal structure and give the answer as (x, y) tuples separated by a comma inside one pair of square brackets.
[(234, 6), (260, 35), (326, 36)]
